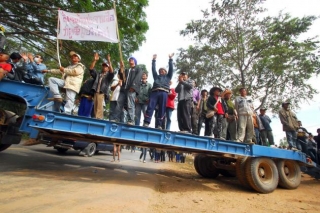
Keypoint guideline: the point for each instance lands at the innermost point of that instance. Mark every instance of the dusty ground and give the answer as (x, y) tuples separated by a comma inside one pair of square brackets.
[(37, 179)]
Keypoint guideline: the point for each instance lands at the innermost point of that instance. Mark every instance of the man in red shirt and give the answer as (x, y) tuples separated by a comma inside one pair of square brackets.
[(217, 104)]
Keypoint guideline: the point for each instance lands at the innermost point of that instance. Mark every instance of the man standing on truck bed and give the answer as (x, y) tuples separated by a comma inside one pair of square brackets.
[(289, 124), (101, 84), (131, 81), (71, 80)]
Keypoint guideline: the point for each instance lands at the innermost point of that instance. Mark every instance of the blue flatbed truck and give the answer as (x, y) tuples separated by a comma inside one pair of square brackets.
[(257, 167)]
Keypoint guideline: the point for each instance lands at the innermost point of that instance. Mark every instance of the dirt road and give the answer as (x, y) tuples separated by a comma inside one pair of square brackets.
[(37, 179)]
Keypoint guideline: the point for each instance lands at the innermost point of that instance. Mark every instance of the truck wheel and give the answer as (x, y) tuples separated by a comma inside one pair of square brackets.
[(200, 162), (196, 164), (90, 149), (262, 174), (4, 147), (289, 174), (240, 171), (61, 150), (208, 168)]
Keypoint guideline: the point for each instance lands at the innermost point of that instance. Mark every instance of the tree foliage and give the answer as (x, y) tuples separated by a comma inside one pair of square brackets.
[(33, 23), (236, 48)]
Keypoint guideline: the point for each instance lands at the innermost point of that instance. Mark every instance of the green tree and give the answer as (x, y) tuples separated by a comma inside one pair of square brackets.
[(33, 24), (236, 48)]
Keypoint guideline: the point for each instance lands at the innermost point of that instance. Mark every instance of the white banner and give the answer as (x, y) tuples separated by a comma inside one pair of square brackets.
[(95, 26)]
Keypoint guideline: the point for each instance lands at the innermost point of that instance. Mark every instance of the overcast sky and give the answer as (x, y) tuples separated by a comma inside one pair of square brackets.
[(167, 17)]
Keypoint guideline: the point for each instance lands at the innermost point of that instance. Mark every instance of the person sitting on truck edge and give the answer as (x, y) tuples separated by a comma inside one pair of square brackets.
[(131, 79), (86, 95), (35, 68), (289, 124), (71, 80), (101, 84), (159, 94), (19, 63), (143, 98), (266, 133), (6, 70), (244, 108), (218, 105)]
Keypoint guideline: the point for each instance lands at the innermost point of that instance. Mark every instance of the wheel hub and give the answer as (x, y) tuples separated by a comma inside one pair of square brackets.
[(261, 172), (286, 170)]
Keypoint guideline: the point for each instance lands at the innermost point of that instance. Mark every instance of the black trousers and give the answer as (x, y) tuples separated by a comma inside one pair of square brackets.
[(214, 125), (184, 115)]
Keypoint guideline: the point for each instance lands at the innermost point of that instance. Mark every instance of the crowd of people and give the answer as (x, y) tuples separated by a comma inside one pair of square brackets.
[(224, 117)]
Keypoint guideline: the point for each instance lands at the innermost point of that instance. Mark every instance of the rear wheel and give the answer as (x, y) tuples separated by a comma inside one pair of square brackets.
[(289, 174), (240, 171), (196, 165), (208, 168), (262, 174)]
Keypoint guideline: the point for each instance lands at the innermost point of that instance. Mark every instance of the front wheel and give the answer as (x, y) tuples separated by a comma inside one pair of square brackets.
[(90, 150)]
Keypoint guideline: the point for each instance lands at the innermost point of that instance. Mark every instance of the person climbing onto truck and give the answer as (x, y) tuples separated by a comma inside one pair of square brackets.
[(71, 80), (101, 84)]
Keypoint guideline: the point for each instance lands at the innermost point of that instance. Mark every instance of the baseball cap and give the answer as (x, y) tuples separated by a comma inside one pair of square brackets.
[(74, 53)]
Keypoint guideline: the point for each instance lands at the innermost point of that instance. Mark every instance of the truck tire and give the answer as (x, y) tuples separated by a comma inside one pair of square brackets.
[(61, 150), (90, 150), (200, 166), (208, 168), (195, 164), (289, 174), (262, 174), (4, 147), (240, 171)]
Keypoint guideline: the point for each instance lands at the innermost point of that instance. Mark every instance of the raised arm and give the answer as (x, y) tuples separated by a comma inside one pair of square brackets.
[(121, 74), (95, 59), (109, 62), (153, 68), (170, 72)]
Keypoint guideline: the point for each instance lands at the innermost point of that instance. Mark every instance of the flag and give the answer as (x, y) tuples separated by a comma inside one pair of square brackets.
[(95, 26)]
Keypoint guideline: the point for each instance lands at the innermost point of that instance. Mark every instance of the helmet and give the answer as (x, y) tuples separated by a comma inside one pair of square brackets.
[(2, 28)]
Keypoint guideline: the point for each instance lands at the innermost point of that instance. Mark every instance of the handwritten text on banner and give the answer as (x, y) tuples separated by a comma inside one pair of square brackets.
[(95, 26)]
